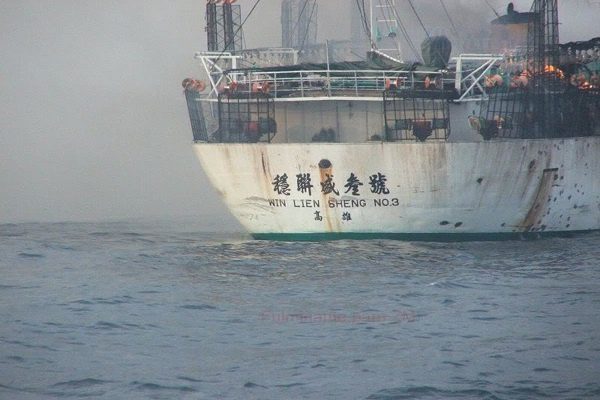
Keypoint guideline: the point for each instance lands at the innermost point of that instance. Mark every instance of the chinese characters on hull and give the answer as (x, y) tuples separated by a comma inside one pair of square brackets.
[(328, 186), (352, 184), (280, 185), (377, 183), (303, 183)]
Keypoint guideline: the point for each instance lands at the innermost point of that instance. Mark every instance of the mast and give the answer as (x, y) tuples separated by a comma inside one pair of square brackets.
[(211, 26), (543, 58), (384, 27), (223, 25), (543, 43), (228, 31), (371, 33), (298, 23)]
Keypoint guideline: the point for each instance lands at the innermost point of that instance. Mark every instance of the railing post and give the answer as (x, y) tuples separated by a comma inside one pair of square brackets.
[(301, 85), (458, 77), (328, 74), (356, 83)]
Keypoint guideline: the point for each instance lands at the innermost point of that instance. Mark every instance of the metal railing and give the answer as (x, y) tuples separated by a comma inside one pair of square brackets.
[(332, 83), (471, 71), (466, 78)]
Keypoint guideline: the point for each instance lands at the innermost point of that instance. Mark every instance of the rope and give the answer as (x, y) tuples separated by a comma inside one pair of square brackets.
[(300, 17), (418, 18), (449, 18), (493, 9), (365, 23), (406, 34), (312, 12)]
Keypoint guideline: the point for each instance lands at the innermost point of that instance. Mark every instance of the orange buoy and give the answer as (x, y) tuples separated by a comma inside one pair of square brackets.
[(199, 85), (427, 82), (228, 88), (260, 87), (266, 87), (494, 81)]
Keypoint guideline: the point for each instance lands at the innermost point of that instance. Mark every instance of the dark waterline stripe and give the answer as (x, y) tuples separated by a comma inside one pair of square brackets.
[(418, 237)]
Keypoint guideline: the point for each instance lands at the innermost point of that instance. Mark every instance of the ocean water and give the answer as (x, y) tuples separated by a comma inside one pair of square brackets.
[(162, 310)]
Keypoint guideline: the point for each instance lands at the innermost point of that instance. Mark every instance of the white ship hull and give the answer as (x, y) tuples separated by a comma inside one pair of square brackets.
[(448, 190)]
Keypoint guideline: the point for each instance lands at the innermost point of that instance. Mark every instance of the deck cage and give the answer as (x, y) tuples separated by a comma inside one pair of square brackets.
[(514, 113), (544, 102), (416, 115), (546, 91), (241, 102), (196, 111), (246, 118), (503, 114)]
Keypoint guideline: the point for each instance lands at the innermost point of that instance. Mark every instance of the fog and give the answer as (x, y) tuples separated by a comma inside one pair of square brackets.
[(93, 123)]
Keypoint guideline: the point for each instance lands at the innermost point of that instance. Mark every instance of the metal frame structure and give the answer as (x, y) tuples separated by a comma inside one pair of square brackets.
[(471, 70), (222, 68), (223, 26)]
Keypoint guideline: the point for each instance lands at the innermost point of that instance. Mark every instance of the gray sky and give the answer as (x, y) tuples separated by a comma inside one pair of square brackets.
[(93, 123)]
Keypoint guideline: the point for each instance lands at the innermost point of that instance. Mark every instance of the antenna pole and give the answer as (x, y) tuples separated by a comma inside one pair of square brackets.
[(371, 24)]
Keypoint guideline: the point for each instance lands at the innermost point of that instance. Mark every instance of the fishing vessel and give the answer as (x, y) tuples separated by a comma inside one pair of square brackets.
[(468, 147)]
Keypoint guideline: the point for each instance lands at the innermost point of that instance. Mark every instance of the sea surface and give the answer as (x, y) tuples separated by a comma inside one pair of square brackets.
[(165, 310)]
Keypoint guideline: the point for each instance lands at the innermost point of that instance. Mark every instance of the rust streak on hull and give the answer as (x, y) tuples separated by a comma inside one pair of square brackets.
[(535, 216)]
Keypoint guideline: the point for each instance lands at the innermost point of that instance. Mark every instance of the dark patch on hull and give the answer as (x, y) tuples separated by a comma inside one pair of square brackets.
[(264, 164)]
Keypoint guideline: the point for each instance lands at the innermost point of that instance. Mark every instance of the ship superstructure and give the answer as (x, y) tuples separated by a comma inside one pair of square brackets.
[(471, 146)]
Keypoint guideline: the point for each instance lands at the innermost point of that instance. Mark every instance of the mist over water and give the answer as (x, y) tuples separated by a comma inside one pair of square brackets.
[(93, 123), (162, 311)]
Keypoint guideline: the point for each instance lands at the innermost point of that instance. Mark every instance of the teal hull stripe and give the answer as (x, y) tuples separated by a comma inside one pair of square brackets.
[(424, 237)]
